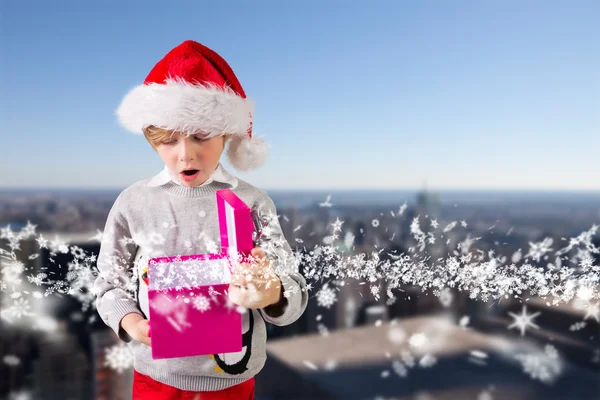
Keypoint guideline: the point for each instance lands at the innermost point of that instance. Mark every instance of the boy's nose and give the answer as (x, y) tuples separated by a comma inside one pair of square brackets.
[(185, 153)]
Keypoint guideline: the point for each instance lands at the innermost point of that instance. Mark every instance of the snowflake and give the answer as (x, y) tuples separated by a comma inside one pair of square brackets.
[(38, 279), (449, 227), (327, 202), (446, 298), (156, 238), (434, 223), (119, 358), (211, 246), (545, 366), (402, 208), (375, 223), (485, 395), (396, 335), (399, 369), (551, 351), (417, 340), (201, 303), (11, 360), (71, 275), (593, 311), (427, 361), (375, 292), (523, 320), (78, 252), (330, 365), (310, 364), (326, 297), (577, 326), (538, 250), (21, 308), (408, 358), (337, 225), (323, 329)]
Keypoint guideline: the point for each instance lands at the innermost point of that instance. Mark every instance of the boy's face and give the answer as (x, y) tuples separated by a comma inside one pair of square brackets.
[(192, 159)]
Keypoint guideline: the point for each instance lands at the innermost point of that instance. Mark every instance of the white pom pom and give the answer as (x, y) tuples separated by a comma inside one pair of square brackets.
[(245, 154)]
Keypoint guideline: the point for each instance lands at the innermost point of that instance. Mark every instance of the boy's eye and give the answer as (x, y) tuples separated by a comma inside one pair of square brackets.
[(201, 138)]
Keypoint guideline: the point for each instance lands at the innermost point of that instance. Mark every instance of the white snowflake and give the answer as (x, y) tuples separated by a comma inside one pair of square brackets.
[(399, 369), (119, 357), (407, 358), (485, 395), (311, 365), (523, 320), (375, 223), (11, 360), (402, 208), (577, 326), (450, 226), (201, 303), (396, 335), (337, 225), (446, 298), (38, 279), (156, 238), (538, 250), (327, 202), (330, 365), (517, 256), (417, 340), (323, 329), (326, 297), (593, 311), (375, 292), (427, 361), (20, 395), (21, 308), (544, 366)]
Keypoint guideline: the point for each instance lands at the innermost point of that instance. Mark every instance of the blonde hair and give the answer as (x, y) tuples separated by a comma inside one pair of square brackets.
[(155, 135)]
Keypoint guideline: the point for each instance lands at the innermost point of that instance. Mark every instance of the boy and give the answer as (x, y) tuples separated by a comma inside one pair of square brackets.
[(190, 105)]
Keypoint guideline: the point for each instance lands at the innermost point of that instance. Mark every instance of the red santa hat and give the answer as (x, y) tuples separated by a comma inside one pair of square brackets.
[(192, 90)]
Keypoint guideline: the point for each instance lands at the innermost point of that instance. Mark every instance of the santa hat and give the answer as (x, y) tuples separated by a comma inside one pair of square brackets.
[(192, 90)]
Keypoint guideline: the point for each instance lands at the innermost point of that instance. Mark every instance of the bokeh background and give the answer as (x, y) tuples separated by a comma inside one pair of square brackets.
[(483, 115)]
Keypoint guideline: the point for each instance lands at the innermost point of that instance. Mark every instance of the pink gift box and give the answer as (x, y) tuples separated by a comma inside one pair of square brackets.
[(190, 312)]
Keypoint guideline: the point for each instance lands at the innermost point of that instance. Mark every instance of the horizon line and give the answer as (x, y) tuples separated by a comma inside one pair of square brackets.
[(321, 189)]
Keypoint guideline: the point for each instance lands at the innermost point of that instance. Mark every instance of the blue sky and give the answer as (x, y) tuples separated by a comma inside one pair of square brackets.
[(392, 94)]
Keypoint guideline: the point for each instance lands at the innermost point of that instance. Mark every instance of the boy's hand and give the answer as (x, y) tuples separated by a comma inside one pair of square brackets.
[(255, 285), (137, 327)]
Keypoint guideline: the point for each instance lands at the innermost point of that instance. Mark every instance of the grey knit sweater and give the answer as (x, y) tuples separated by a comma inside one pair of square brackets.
[(152, 221)]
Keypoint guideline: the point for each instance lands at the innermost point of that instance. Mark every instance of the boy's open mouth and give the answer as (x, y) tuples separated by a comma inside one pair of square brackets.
[(189, 175)]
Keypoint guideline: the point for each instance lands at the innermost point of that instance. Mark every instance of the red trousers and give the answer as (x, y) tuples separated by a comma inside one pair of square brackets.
[(146, 388)]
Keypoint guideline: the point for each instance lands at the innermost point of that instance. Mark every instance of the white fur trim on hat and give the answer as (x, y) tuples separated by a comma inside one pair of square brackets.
[(181, 106), (245, 154)]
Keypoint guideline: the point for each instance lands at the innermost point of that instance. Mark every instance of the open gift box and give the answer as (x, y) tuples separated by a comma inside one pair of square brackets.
[(190, 312)]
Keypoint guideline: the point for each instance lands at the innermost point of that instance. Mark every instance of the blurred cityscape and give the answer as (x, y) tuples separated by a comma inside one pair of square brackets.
[(359, 347)]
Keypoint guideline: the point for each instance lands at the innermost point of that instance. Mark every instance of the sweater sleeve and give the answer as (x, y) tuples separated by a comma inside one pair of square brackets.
[(114, 285), (271, 239)]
